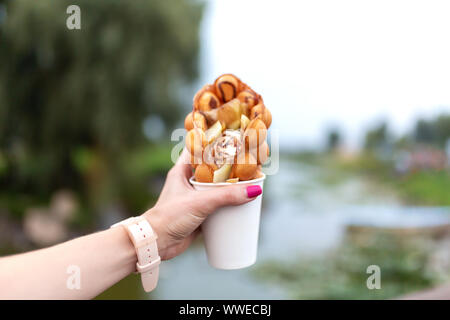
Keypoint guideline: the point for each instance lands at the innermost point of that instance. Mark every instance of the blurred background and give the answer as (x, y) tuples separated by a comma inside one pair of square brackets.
[(359, 93)]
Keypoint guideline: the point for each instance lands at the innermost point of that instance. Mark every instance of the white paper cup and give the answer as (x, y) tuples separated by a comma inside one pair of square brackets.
[(231, 233)]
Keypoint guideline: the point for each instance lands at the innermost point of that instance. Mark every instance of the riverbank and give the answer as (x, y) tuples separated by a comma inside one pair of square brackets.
[(422, 188), (425, 187)]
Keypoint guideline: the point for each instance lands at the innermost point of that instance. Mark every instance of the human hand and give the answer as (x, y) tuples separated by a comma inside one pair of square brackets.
[(181, 209)]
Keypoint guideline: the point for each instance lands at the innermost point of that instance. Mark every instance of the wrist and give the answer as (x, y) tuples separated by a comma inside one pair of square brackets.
[(158, 227), (123, 248)]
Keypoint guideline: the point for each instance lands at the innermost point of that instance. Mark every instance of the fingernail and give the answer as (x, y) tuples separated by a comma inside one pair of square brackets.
[(253, 191)]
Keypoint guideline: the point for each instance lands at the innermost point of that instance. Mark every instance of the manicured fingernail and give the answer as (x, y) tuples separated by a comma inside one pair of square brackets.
[(253, 191)]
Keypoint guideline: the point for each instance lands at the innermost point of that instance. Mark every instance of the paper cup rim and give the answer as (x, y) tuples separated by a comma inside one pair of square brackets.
[(218, 184)]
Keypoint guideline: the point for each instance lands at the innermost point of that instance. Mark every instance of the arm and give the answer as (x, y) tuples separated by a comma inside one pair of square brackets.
[(103, 258), (106, 257)]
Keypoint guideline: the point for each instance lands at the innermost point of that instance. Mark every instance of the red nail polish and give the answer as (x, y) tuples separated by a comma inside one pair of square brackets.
[(253, 191)]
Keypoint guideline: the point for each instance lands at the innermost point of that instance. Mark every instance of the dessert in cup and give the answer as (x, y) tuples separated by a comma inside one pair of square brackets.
[(227, 140)]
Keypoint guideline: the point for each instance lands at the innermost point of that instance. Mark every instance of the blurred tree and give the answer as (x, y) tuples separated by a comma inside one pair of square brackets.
[(434, 131), (377, 137), (333, 139), (71, 97), (404, 142), (424, 132), (443, 129)]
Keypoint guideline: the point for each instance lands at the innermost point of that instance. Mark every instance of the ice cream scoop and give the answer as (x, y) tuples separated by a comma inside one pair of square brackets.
[(227, 147)]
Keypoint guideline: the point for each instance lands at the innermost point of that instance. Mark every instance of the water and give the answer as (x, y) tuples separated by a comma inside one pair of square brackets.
[(302, 216)]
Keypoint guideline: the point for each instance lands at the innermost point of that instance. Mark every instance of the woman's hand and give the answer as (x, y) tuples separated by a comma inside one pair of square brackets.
[(180, 209)]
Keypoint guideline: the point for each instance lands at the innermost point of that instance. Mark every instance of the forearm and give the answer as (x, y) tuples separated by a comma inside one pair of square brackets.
[(103, 259)]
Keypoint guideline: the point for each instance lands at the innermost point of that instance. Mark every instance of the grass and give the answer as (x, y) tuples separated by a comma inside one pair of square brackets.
[(426, 187)]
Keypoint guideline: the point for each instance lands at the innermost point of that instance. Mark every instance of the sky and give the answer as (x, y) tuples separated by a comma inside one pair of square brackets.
[(321, 64)]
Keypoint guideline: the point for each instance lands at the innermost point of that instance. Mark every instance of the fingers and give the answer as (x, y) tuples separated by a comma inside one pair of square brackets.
[(210, 200), (182, 165), (181, 171), (184, 157)]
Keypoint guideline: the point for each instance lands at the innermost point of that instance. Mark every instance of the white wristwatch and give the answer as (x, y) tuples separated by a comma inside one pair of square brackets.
[(144, 240)]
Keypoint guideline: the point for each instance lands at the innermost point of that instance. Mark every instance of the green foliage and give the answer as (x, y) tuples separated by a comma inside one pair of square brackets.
[(72, 102), (435, 131), (144, 170), (342, 273), (428, 187), (377, 137)]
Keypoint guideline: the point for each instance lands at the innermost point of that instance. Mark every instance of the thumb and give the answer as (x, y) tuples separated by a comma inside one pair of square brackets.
[(207, 201)]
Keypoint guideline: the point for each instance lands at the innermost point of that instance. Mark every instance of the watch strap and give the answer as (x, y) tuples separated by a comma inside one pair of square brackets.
[(144, 240)]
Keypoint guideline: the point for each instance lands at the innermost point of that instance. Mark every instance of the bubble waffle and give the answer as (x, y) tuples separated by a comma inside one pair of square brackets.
[(227, 131)]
